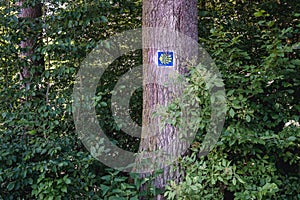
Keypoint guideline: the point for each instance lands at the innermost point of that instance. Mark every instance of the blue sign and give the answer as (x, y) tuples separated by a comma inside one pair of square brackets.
[(165, 59)]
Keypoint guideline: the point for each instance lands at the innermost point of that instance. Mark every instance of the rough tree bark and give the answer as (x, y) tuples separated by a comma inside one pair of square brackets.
[(30, 44), (181, 16)]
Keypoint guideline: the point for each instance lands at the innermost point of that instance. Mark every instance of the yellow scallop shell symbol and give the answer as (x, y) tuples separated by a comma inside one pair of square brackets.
[(165, 58)]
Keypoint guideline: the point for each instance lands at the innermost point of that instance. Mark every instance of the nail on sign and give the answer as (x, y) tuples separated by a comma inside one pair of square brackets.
[(165, 59)]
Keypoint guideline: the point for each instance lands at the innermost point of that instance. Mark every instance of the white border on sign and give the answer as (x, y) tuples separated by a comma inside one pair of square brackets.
[(156, 59)]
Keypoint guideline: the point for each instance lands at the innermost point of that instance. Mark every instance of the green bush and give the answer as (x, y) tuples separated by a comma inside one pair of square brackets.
[(255, 45), (257, 156)]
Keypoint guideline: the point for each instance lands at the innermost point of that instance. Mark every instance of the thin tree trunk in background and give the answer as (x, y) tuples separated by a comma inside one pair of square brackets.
[(176, 15), (29, 45)]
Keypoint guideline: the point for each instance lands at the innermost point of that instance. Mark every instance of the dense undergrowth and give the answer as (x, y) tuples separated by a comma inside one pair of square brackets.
[(255, 45)]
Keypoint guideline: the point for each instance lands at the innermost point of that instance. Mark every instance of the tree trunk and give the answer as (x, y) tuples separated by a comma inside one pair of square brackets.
[(181, 16), (30, 44)]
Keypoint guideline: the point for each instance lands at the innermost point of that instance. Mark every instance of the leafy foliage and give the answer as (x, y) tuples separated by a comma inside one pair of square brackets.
[(41, 157), (257, 156), (255, 45)]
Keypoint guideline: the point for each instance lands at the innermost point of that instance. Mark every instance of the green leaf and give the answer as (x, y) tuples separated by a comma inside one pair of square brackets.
[(231, 112), (4, 115), (193, 187), (32, 132), (239, 179), (11, 186), (292, 138), (103, 104), (47, 74), (104, 189), (104, 19), (230, 92), (248, 118), (64, 189), (107, 45), (70, 23), (234, 181), (68, 181), (260, 13)]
